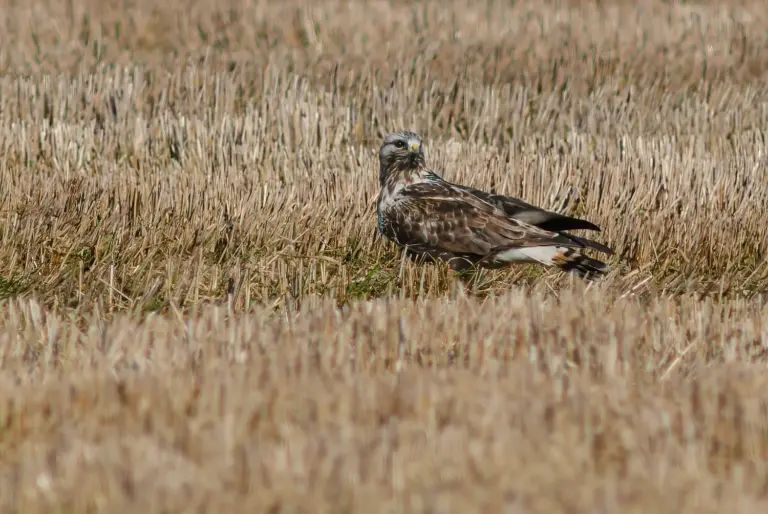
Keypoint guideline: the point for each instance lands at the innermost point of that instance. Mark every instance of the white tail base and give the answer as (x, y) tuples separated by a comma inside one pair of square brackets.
[(541, 254)]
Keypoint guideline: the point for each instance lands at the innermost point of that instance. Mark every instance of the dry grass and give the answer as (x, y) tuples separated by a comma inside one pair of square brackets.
[(198, 315)]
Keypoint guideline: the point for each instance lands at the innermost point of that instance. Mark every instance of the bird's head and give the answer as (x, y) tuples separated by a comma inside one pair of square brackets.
[(402, 150)]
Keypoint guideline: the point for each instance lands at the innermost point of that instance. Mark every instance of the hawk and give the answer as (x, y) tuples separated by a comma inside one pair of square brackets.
[(468, 227)]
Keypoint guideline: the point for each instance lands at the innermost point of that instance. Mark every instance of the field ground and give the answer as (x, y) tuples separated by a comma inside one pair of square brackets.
[(198, 315)]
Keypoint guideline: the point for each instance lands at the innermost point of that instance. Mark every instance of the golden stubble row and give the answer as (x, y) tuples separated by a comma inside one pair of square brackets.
[(569, 404), (181, 184)]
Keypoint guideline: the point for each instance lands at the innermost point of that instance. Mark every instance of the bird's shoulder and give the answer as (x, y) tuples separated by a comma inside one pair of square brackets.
[(439, 193)]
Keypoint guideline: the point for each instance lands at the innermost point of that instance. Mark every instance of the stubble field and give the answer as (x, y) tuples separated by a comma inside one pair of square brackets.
[(198, 314)]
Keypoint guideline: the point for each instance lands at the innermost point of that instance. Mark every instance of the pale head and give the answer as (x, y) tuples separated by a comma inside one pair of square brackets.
[(402, 150)]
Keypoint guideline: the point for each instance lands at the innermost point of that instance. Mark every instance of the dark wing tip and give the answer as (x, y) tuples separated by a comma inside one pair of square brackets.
[(554, 222)]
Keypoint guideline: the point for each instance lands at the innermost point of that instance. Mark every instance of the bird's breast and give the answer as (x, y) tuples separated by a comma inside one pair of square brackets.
[(382, 224), (389, 195)]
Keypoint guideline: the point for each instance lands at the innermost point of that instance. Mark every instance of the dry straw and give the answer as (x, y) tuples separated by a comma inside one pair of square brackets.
[(197, 312)]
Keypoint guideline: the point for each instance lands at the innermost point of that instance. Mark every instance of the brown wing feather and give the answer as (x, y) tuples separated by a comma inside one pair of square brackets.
[(439, 219), (546, 220)]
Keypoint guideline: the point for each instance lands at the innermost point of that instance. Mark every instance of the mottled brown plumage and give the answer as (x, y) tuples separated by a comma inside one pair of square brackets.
[(419, 210)]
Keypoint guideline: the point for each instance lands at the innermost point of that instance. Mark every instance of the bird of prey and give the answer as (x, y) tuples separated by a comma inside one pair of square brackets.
[(468, 227)]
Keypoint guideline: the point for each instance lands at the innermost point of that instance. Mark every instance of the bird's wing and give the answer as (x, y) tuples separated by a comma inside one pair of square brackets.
[(520, 210), (547, 220), (442, 218)]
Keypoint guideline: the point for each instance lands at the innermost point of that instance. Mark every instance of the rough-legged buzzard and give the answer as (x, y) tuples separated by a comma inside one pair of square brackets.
[(467, 227)]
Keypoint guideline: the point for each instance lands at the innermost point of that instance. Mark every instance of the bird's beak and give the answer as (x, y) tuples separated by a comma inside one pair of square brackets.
[(415, 146)]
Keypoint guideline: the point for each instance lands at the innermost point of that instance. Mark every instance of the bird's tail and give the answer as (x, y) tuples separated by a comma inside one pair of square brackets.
[(572, 260), (564, 257)]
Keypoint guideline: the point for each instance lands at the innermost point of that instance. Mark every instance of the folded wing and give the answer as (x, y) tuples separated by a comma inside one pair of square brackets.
[(443, 220), (547, 220)]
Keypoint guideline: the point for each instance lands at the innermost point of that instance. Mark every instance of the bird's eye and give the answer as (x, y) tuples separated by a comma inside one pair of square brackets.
[(399, 144)]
